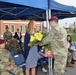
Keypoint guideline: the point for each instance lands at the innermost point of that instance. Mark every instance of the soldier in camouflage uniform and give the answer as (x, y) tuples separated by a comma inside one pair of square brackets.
[(7, 63), (57, 40), (7, 35), (11, 43)]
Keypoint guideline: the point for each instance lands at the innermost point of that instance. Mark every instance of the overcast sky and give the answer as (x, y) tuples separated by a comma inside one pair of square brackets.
[(67, 2), (68, 20)]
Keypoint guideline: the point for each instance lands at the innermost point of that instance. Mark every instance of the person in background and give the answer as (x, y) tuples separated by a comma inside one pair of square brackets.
[(18, 35), (10, 43), (41, 58), (58, 43), (13, 45), (70, 52), (74, 49), (30, 53), (7, 35), (7, 65)]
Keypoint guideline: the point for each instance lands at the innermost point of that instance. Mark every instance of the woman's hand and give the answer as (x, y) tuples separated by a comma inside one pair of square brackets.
[(28, 44)]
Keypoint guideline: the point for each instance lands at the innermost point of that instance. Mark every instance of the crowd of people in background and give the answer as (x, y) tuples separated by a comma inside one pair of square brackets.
[(57, 38)]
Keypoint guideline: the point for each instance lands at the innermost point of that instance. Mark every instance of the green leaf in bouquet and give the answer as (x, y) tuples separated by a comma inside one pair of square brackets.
[(46, 47)]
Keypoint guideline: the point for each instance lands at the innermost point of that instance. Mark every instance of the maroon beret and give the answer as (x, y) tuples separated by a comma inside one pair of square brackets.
[(14, 36), (53, 18), (1, 41)]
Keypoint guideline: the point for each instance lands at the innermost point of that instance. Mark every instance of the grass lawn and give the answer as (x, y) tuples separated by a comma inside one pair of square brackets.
[(73, 38), (72, 35)]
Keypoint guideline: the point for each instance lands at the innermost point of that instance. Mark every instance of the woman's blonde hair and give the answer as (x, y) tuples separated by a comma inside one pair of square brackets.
[(30, 27)]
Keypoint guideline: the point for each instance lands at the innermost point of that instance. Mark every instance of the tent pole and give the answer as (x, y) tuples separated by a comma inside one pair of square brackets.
[(47, 23), (49, 10), (50, 59), (49, 17)]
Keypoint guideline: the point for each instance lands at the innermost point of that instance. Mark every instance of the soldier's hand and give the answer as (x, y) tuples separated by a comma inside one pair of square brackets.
[(10, 68)]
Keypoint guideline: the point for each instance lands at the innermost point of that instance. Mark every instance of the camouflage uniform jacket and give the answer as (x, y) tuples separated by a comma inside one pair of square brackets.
[(5, 61), (7, 35), (13, 45), (57, 40)]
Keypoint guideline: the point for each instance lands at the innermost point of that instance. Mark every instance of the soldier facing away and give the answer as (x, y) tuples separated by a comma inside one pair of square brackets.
[(7, 64), (57, 40)]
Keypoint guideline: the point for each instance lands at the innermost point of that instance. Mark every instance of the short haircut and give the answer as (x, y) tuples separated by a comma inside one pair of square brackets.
[(54, 18), (7, 27)]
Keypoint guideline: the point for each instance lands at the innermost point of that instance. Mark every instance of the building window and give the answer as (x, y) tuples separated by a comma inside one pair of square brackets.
[(12, 28), (5, 27), (20, 28), (25, 28)]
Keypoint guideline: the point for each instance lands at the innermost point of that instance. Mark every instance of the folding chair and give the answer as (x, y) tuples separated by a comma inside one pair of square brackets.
[(19, 59)]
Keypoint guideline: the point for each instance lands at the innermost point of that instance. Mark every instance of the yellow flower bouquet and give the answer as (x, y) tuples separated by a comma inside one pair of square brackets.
[(36, 38)]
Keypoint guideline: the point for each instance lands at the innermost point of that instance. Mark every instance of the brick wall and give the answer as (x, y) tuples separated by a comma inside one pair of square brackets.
[(21, 24)]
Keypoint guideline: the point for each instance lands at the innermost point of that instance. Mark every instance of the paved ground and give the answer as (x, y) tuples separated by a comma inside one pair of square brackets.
[(70, 71)]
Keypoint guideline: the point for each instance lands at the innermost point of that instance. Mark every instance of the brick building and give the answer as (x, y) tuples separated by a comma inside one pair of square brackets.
[(21, 24)]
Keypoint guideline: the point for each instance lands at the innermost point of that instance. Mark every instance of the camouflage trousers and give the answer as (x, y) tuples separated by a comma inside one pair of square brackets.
[(60, 64), (16, 71), (59, 74), (69, 57), (5, 73)]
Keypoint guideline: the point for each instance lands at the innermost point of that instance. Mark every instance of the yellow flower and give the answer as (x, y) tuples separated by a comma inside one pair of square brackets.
[(38, 36), (32, 38)]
